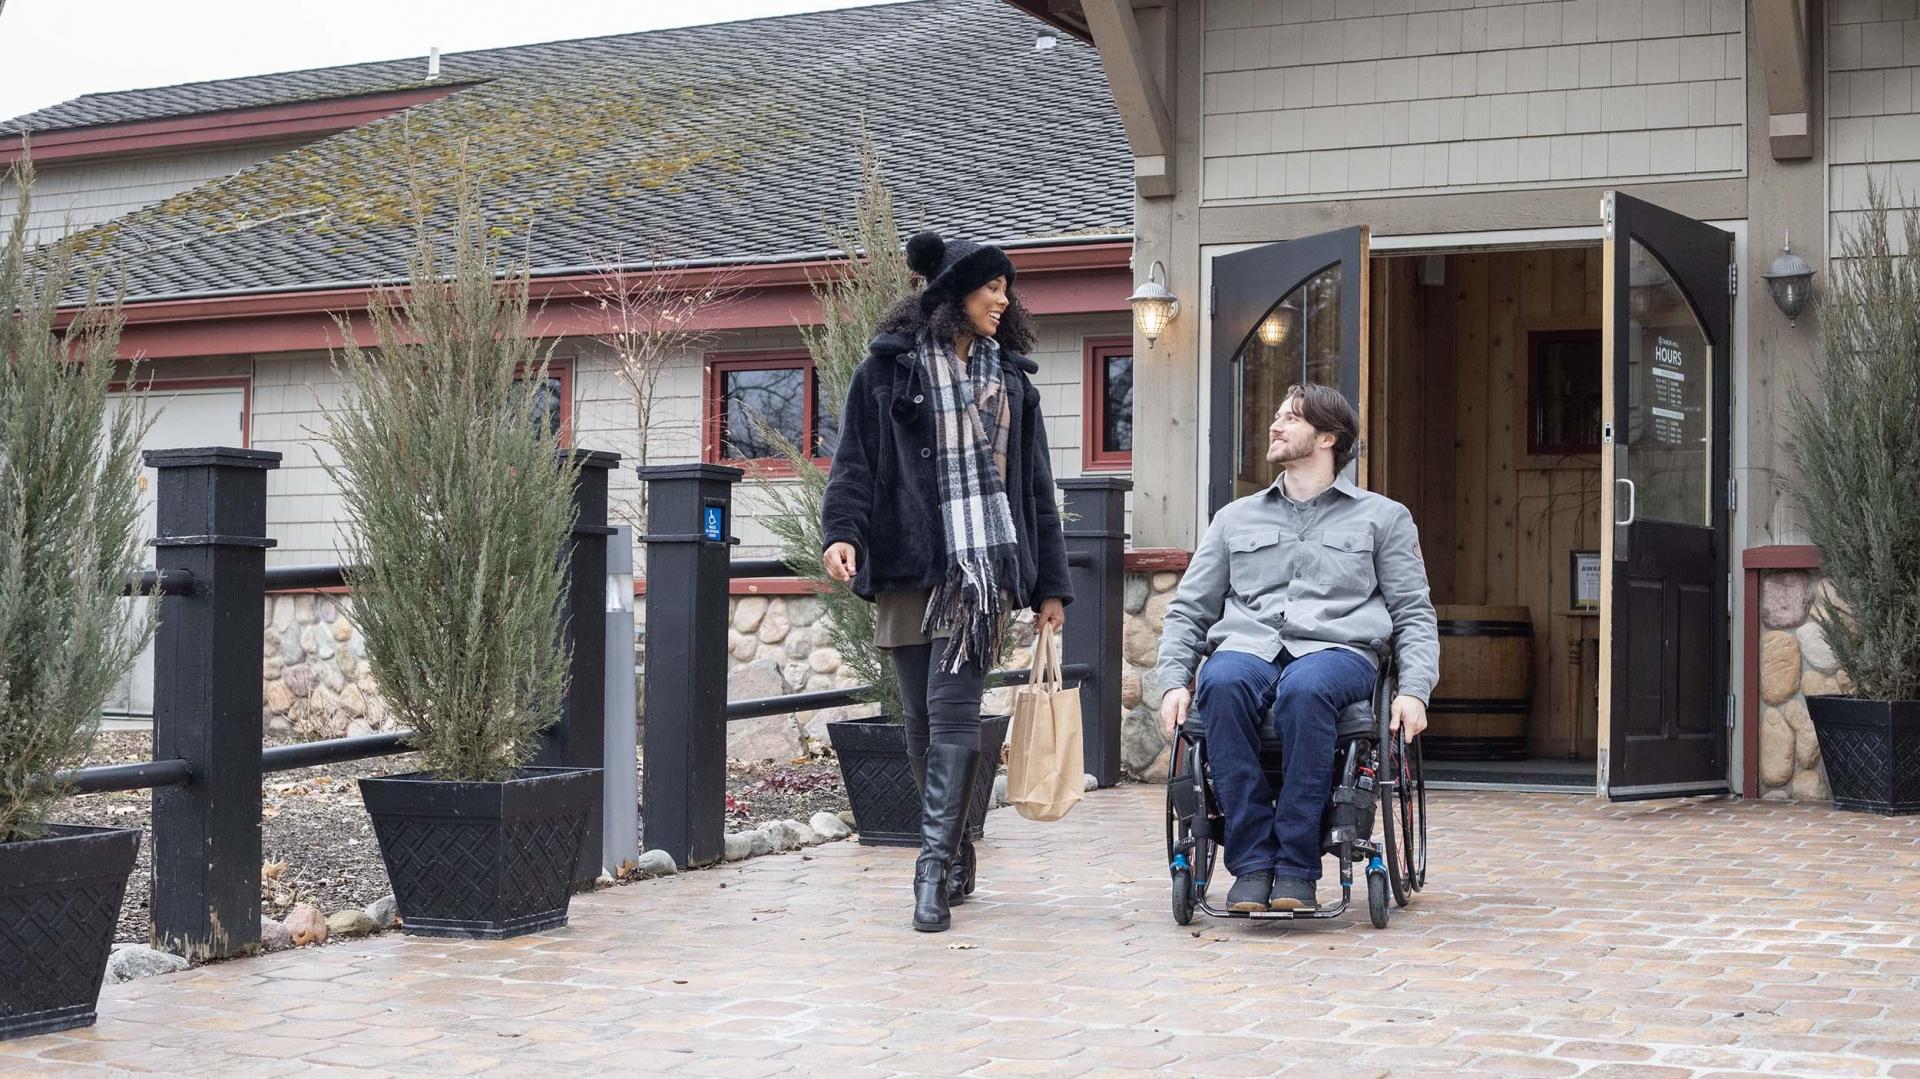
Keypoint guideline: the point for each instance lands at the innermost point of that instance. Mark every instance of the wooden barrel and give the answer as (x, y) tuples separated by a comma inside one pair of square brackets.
[(1480, 709)]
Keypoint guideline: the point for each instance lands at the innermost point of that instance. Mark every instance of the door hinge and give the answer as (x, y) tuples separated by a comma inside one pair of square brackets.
[(1733, 494), (1729, 593), (1729, 711), (1213, 299), (1733, 279)]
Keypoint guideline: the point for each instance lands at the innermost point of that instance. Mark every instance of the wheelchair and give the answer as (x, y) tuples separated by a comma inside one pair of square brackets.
[(1368, 782)]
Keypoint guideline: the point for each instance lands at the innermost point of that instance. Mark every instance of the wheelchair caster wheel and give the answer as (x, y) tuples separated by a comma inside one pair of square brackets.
[(1182, 897), (1376, 899)]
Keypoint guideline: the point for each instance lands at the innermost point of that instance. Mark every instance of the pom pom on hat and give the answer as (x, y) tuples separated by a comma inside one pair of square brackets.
[(924, 254)]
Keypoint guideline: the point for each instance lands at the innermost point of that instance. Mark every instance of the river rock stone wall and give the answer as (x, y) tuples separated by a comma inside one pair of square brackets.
[(1795, 663)]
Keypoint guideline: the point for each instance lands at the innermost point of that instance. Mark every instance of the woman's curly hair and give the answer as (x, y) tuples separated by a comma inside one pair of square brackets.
[(949, 320)]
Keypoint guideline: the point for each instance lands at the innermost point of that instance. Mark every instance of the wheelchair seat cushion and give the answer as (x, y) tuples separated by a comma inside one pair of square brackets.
[(1355, 719)]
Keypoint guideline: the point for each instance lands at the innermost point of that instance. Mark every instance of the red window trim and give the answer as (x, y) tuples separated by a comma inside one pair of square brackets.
[(1094, 405), (717, 365), (560, 368), (244, 383)]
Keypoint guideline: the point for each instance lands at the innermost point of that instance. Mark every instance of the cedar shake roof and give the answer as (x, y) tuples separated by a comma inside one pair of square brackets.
[(735, 142)]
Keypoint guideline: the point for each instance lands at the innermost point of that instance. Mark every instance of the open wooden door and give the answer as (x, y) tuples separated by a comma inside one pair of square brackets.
[(1666, 350), (1283, 313)]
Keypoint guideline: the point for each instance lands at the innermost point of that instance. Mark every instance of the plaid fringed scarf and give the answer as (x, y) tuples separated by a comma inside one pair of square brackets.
[(971, 419)]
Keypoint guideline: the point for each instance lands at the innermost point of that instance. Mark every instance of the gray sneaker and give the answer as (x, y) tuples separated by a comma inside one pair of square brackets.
[(1291, 893), (1249, 893)]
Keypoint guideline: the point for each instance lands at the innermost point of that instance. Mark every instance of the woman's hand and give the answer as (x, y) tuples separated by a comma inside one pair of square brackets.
[(840, 561), (1052, 613)]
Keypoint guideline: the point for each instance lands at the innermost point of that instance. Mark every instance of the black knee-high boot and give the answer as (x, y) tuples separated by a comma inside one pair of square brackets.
[(960, 873), (943, 819)]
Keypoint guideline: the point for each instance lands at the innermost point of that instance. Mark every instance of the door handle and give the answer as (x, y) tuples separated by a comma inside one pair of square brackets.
[(1632, 500)]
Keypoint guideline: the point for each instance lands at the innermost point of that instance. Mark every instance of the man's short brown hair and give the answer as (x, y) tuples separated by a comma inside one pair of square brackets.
[(1327, 411)]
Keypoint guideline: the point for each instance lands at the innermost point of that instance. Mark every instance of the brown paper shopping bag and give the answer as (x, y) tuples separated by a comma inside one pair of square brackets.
[(1046, 772)]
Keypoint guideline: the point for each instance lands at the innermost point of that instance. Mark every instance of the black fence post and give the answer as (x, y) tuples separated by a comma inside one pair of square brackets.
[(212, 525), (684, 774), (578, 739), (1097, 508)]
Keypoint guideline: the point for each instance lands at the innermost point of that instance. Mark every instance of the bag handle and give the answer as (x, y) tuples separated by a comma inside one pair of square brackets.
[(1046, 660)]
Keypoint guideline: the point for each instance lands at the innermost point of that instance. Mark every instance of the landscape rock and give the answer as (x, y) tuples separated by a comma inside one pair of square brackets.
[(802, 611), (999, 791), (274, 936), (307, 925), (130, 961), (1776, 748), (825, 660), (738, 845), (1784, 599), (769, 738), (384, 912), (1165, 582), (748, 613), (846, 818), (654, 863), (774, 627), (1092, 782), (349, 923), (1811, 786), (1141, 739), (1130, 689), (1156, 612), (1779, 666), (1814, 648), (828, 826), (1134, 594), (760, 841)]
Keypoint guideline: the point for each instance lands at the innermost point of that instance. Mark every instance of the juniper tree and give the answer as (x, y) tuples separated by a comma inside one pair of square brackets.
[(1856, 443), (69, 522), (458, 506), (873, 275)]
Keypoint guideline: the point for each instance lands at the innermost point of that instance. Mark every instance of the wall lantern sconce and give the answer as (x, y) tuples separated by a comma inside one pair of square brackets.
[(1153, 305), (1277, 327), (1789, 281)]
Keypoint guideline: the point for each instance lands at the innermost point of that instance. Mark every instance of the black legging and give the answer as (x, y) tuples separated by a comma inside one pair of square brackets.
[(939, 705)]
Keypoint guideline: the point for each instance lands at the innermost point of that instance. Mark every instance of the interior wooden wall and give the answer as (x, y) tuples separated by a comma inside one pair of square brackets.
[(1448, 403)]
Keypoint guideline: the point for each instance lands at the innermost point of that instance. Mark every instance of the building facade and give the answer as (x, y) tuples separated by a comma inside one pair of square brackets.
[(1527, 238)]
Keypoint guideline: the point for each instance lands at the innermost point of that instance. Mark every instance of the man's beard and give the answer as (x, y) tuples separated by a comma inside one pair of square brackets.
[(1280, 454)]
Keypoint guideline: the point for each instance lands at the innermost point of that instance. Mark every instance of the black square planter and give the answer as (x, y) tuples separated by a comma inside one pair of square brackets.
[(1872, 752), (59, 902), (482, 860), (873, 765)]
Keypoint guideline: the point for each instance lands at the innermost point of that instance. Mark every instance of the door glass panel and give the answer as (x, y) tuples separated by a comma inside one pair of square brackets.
[(1296, 341), (1668, 366)]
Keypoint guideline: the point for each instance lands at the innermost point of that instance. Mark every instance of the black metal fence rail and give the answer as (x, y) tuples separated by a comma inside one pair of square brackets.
[(690, 512), (212, 582)]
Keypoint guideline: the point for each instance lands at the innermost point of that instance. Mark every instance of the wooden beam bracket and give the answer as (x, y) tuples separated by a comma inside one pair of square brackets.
[(1136, 92)]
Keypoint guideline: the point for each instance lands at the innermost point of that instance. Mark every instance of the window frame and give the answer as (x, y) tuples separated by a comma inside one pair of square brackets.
[(1536, 339), (1093, 456), (714, 370), (560, 369)]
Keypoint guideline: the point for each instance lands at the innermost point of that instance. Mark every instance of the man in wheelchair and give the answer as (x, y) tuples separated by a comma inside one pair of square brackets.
[(1284, 597)]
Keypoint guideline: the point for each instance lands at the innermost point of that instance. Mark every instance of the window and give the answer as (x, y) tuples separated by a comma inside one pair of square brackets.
[(1563, 410), (553, 399), (1108, 436), (751, 398)]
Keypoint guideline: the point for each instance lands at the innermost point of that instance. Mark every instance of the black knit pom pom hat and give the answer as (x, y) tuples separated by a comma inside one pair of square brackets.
[(954, 267)]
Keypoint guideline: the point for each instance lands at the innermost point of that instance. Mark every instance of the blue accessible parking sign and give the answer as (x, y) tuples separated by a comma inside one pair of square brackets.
[(714, 524)]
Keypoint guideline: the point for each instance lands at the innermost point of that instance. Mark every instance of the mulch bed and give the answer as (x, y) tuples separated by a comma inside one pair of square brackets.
[(315, 828)]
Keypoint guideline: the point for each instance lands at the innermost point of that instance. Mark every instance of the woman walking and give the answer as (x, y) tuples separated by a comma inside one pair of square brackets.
[(940, 509)]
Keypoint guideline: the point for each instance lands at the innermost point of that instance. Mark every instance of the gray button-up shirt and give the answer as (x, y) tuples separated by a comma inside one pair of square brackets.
[(1340, 570)]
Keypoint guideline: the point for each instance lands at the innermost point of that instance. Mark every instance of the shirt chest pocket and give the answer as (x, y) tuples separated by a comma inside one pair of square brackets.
[(1254, 561), (1343, 561)]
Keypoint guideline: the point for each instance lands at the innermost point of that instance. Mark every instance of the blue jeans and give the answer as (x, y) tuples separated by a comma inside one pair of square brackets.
[(1307, 694)]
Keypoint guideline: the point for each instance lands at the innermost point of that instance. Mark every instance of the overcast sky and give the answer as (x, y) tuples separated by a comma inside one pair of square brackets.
[(54, 50)]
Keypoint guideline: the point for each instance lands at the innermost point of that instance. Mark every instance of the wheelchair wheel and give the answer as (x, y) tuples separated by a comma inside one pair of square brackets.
[(1182, 897), (1404, 821), (1377, 909)]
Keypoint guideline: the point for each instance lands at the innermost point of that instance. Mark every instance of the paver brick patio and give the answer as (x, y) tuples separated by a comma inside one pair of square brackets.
[(1558, 936)]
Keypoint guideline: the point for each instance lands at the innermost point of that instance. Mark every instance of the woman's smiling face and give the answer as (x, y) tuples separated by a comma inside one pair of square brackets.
[(985, 305)]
